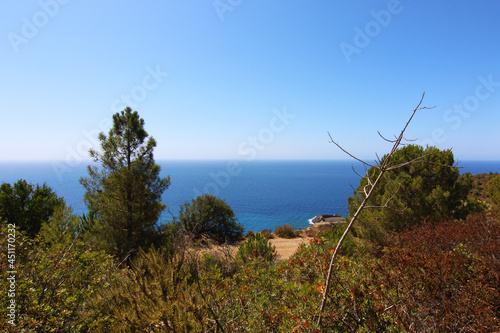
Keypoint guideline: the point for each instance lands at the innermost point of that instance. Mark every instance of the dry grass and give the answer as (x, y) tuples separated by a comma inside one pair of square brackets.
[(286, 247)]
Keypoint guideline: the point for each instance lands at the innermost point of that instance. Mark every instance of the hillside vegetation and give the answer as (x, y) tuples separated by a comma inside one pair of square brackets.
[(423, 258)]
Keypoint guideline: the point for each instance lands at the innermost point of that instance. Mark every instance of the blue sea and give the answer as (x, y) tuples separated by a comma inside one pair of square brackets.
[(263, 194)]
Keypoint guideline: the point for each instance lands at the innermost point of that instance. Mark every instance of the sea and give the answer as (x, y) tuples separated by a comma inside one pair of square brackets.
[(263, 194)]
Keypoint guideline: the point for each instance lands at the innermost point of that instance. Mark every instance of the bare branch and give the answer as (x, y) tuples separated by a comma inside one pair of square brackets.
[(410, 140), (352, 166), (391, 141), (368, 190), (330, 270), (426, 107), (345, 151)]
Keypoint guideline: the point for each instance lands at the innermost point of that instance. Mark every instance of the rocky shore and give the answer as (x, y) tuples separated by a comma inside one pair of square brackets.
[(327, 218)]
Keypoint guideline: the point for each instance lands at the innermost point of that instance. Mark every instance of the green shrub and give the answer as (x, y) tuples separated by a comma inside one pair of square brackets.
[(27, 206), (333, 235), (250, 233), (266, 234), (155, 295), (493, 188), (54, 280), (256, 247), (285, 231), (209, 215)]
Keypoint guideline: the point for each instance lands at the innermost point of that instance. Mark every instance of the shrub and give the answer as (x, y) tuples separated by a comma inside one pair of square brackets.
[(333, 235), (209, 215), (266, 234), (54, 281), (285, 231), (257, 247), (493, 188), (152, 296), (445, 277), (250, 233), (27, 206)]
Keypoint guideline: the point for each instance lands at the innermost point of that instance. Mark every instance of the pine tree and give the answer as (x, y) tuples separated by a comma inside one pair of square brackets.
[(125, 192), (427, 187)]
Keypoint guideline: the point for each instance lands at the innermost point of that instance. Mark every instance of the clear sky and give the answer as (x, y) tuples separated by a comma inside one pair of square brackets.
[(245, 79)]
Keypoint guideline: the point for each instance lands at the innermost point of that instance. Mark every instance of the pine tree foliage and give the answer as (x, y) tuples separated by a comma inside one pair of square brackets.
[(125, 193), (431, 187)]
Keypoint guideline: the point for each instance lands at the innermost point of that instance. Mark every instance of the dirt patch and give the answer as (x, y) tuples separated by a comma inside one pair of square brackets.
[(286, 247)]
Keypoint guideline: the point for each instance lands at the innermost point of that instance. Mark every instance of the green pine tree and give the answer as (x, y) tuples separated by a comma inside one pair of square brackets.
[(125, 192), (429, 188)]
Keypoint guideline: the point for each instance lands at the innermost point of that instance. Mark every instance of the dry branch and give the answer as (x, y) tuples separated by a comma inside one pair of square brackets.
[(368, 190)]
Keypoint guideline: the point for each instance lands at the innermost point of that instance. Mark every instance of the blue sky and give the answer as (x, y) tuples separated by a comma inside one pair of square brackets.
[(249, 79)]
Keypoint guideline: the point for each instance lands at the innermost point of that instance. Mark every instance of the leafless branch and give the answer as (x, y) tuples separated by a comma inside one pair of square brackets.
[(391, 141), (368, 191), (345, 151), (352, 166), (410, 140)]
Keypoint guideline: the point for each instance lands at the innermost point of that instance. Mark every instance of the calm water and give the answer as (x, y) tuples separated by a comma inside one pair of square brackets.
[(263, 194)]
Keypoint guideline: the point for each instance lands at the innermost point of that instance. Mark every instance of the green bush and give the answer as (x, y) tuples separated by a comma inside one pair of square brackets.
[(28, 206), (56, 276), (256, 247), (266, 234), (493, 188), (209, 215), (285, 231), (333, 235), (155, 295)]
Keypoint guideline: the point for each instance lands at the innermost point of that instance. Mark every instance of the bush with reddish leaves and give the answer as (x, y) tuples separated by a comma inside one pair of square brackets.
[(445, 276)]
